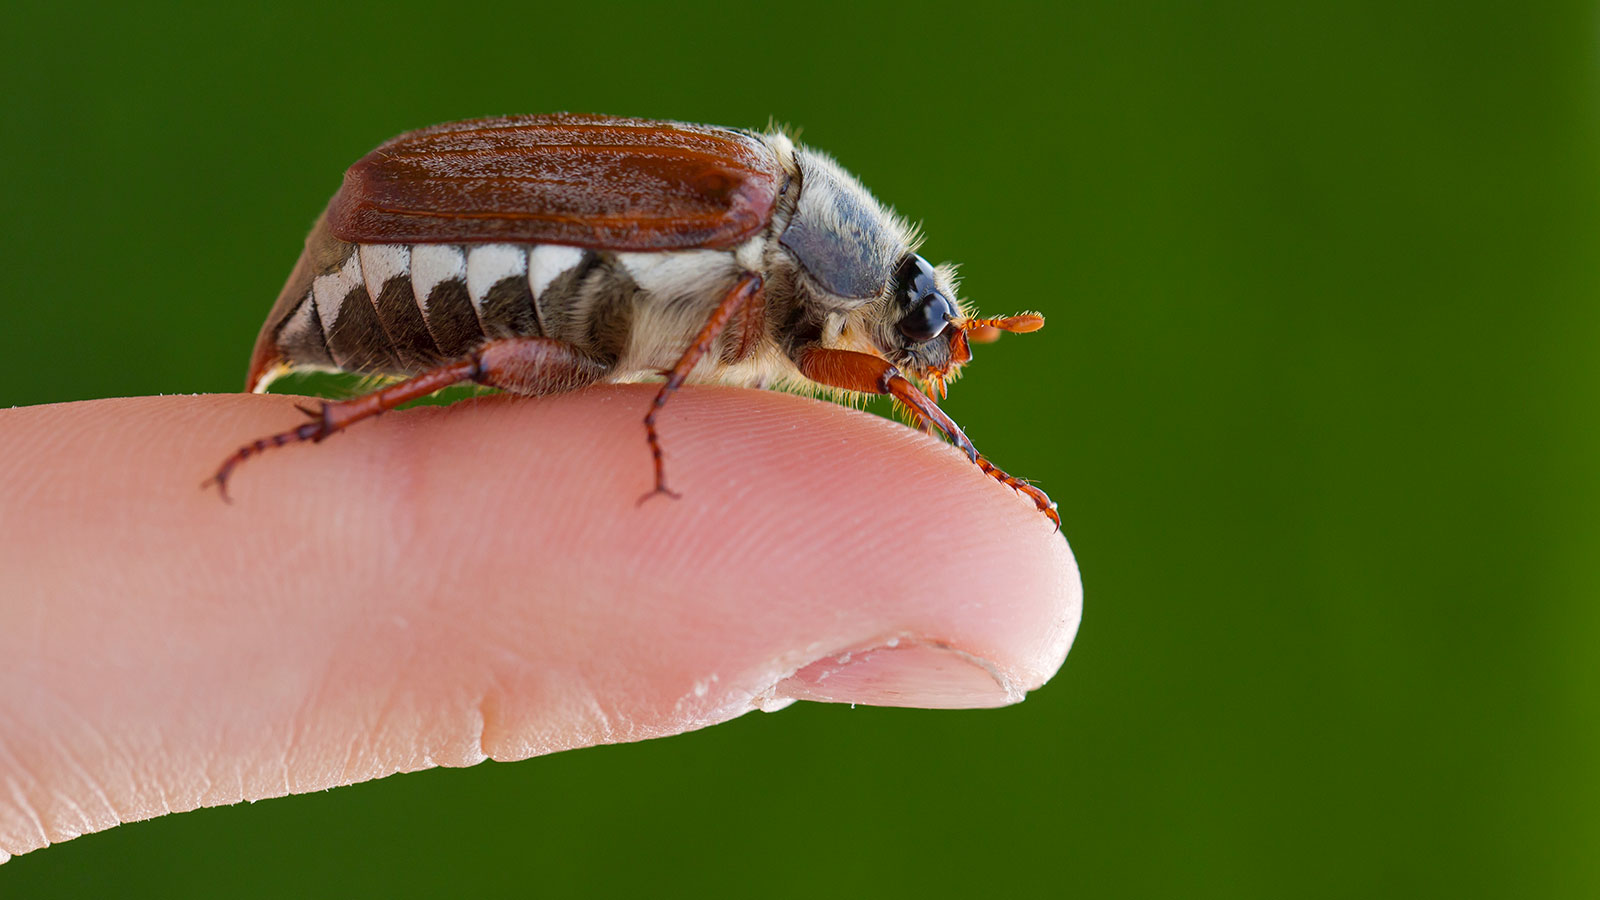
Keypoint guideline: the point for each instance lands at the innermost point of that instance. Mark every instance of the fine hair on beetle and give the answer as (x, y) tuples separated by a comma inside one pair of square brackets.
[(540, 254)]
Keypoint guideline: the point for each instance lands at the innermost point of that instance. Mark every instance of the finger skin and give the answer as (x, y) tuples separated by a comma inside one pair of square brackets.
[(444, 585)]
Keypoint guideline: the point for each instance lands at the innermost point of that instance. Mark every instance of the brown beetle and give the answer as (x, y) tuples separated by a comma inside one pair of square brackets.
[(539, 254)]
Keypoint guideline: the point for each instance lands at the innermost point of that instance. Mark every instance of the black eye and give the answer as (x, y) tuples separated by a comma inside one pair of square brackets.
[(927, 319), (928, 311)]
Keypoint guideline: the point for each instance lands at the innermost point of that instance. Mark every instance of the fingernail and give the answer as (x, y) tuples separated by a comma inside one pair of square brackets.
[(901, 674)]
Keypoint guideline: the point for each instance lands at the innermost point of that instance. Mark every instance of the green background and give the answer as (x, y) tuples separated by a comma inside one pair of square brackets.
[(1317, 399)]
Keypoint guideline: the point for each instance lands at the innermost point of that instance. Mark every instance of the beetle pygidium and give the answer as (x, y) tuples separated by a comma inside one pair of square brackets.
[(538, 254)]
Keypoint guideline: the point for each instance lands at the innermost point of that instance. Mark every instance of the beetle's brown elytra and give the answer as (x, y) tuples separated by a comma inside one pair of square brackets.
[(539, 254)]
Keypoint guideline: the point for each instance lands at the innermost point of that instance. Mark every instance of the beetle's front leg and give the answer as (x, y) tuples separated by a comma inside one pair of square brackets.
[(868, 374)]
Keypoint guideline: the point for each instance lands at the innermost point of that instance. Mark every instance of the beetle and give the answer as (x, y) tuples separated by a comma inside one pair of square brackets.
[(542, 253)]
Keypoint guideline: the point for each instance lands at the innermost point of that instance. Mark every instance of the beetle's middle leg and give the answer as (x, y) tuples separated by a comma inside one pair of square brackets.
[(738, 297), (521, 365)]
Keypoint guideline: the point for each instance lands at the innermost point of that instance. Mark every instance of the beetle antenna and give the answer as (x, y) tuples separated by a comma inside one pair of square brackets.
[(985, 331)]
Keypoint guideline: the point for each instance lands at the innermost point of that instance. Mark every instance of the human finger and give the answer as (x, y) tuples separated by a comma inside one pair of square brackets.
[(446, 585)]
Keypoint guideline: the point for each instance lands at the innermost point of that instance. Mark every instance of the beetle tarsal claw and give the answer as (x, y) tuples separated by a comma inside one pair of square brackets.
[(660, 490), (221, 482)]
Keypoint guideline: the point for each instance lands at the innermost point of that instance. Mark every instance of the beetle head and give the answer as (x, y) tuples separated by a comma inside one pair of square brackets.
[(923, 330)]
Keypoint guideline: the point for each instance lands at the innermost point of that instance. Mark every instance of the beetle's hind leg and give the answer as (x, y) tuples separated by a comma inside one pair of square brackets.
[(523, 365)]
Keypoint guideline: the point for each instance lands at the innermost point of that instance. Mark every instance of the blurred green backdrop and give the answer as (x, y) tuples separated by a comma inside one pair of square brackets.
[(1317, 399)]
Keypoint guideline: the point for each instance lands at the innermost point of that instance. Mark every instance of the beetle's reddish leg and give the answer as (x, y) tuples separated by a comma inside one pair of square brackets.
[(532, 365), (741, 294), (869, 374), (1020, 485), (752, 327), (917, 420), (1039, 498)]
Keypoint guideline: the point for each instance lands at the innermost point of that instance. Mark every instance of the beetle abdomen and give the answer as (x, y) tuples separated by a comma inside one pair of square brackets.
[(399, 309)]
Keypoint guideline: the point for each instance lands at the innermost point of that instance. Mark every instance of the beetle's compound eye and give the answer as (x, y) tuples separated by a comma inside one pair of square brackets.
[(927, 320), (927, 310)]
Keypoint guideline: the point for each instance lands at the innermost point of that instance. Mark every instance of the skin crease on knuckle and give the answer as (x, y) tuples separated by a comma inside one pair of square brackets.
[(176, 652)]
